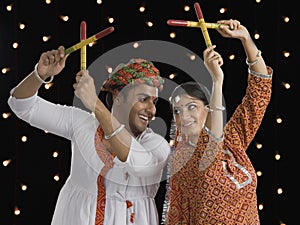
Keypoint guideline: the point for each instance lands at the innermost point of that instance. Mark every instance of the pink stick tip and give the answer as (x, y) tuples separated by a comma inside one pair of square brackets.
[(198, 10)]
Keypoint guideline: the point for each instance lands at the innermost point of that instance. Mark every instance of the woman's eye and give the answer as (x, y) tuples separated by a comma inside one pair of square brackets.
[(176, 111), (190, 107)]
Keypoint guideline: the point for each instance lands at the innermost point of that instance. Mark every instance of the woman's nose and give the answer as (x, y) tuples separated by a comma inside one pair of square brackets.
[(184, 114)]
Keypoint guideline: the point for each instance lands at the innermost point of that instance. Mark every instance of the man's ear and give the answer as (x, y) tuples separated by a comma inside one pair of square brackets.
[(116, 98)]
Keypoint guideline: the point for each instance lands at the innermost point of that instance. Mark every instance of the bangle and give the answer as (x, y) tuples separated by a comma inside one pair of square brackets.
[(114, 133), (255, 61), (39, 77), (210, 109)]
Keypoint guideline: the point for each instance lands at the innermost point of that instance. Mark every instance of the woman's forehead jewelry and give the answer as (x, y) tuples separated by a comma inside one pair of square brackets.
[(177, 99)]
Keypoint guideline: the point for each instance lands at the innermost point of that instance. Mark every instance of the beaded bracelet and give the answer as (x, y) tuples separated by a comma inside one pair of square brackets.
[(107, 137), (255, 61), (210, 109), (39, 77)]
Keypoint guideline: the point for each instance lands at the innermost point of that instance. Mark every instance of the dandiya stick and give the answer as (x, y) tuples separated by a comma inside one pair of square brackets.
[(185, 23), (91, 39), (83, 49), (202, 24)]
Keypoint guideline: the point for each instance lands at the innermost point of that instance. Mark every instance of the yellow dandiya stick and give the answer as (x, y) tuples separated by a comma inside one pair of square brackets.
[(202, 24), (91, 39), (186, 23), (83, 49)]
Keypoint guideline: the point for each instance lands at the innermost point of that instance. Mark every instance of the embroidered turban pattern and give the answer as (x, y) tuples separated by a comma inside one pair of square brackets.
[(136, 71)]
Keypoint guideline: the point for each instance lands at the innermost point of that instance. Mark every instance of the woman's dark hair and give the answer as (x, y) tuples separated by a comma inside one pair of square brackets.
[(193, 89)]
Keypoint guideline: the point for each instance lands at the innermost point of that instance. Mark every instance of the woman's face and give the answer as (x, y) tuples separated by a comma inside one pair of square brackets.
[(190, 115)]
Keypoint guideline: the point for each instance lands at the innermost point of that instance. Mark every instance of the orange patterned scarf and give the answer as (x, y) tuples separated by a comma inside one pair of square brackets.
[(107, 158)]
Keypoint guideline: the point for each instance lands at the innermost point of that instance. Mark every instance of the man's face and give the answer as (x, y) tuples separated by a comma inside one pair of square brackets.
[(138, 107)]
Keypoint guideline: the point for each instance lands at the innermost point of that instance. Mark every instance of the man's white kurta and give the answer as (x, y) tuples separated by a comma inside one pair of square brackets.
[(136, 180)]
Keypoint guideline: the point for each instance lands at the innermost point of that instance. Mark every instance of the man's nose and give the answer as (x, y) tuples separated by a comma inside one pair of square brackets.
[(151, 108)]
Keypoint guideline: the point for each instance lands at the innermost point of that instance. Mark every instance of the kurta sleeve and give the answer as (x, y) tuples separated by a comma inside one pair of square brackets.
[(54, 118), (246, 119)]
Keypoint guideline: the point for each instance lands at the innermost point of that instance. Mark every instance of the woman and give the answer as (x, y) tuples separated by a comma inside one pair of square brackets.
[(212, 179)]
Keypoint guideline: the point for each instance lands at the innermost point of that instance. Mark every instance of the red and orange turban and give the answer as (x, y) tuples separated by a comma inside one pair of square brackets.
[(136, 71)]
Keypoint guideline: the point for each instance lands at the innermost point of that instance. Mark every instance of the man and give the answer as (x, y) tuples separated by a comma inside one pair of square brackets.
[(117, 161)]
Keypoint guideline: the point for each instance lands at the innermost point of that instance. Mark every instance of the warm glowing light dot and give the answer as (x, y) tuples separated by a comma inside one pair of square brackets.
[(260, 206), (99, 2), (55, 154), (48, 2), (259, 173), (286, 19), (256, 36), (142, 9), (9, 7), (232, 57), (286, 54), (64, 18), (110, 19), (172, 35), (48, 86), (258, 1), (278, 120), (21, 26), (6, 162), (172, 76), (109, 69), (149, 24), (6, 115), (277, 156), (56, 177), (24, 138), (46, 38), (258, 145), (5, 70), (136, 45), (186, 8), (15, 45), (279, 191), (17, 211), (286, 85), (192, 57), (222, 10), (23, 187)]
